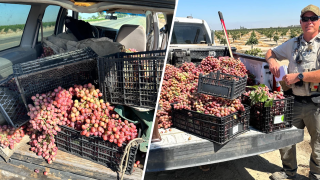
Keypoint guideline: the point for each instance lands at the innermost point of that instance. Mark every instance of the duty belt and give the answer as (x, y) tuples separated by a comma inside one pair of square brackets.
[(304, 99)]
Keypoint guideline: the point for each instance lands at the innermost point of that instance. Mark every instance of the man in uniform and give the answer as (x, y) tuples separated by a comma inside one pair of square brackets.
[(303, 77)]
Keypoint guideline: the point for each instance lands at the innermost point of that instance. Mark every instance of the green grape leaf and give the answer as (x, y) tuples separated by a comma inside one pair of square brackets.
[(268, 103)]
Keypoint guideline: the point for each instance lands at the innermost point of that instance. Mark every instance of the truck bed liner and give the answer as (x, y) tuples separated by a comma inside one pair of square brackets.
[(175, 151)]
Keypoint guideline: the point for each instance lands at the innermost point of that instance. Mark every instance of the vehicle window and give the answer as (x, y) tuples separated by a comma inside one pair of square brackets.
[(189, 33), (161, 20), (12, 21), (99, 19), (49, 21)]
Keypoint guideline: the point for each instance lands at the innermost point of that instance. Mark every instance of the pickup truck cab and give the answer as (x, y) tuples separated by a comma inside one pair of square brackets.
[(23, 27), (178, 149)]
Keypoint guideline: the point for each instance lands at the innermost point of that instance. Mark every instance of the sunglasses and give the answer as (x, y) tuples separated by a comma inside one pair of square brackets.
[(312, 18)]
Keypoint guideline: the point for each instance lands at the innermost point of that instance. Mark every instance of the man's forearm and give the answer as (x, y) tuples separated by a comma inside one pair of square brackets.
[(270, 56), (313, 76)]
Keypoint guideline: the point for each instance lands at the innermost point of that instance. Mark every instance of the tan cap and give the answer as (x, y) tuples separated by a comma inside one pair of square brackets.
[(312, 8)]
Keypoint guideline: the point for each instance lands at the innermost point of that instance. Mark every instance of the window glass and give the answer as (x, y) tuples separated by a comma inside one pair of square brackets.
[(161, 20), (13, 18), (189, 33), (99, 19), (49, 21)]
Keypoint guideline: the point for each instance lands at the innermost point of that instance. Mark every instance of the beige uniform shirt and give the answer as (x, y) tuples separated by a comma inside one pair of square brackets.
[(311, 60)]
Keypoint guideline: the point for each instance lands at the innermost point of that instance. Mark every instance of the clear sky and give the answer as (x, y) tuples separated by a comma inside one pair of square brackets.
[(245, 13)]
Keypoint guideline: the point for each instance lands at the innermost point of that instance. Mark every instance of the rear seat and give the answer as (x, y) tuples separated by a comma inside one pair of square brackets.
[(132, 36)]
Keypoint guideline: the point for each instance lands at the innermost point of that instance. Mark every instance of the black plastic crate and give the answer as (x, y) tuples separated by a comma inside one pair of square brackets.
[(132, 79), (66, 76), (94, 149), (216, 129), (196, 55), (222, 85), (271, 119), (11, 105), (53, 61)]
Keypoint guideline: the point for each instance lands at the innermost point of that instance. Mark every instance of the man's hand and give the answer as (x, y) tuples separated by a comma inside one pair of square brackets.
[(291, 78), (274, 68)]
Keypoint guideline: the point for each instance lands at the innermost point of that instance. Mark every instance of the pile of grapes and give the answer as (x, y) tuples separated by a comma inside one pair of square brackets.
[(251, 79), (10, 135), (181, 84), (265, 90), (78, 107)]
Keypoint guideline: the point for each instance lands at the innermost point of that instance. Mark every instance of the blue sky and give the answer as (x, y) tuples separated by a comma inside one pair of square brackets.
[(249, 13)]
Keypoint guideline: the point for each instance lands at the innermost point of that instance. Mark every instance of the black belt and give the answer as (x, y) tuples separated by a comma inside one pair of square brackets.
[(304, 99)]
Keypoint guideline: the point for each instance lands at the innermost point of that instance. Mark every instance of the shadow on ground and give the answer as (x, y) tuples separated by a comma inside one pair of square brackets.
[(251, 168)]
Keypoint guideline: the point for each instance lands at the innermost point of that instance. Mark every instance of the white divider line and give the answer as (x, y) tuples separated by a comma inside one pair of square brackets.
[(163, 71)]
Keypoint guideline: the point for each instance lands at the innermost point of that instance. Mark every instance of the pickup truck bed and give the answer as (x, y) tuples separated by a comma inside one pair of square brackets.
[(67, 166), (175, 151)]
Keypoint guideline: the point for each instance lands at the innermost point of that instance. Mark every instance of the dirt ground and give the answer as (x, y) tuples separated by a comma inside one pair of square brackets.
[(252, 168)]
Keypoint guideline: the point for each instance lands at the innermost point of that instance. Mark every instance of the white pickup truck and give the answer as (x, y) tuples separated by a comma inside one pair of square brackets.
[(176, 150)]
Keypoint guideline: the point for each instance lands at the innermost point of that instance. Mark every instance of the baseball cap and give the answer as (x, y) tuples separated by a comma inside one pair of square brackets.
[(312, 8)]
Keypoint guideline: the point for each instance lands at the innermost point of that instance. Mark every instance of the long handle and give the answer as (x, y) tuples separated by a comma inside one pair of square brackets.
[(225, 32)]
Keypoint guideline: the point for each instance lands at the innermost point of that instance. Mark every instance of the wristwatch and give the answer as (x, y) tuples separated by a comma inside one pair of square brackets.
[(300, 76), (300, 83)]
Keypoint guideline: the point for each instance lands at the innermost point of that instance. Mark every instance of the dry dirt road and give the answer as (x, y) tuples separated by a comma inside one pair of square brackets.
[(252, 168)]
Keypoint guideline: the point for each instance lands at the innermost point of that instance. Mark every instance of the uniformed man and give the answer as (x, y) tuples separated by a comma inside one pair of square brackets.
[(303, 77)]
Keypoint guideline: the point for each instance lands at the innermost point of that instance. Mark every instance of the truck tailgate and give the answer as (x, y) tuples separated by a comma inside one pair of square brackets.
[(176, 151)]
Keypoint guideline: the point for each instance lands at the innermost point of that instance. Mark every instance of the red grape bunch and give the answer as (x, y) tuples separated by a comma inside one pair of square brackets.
[(10, 135), (264, 89), (79, 107)]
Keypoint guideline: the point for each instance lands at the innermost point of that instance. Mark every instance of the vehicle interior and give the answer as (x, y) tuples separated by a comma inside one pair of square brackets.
[(61, 25)]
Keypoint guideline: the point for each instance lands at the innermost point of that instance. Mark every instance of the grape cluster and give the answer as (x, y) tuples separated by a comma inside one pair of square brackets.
[(216, 106), (251, 79), (10, 135), (271, 95), (79, 107), (225, 65), (131, 50), (181, 84), (47, 51)]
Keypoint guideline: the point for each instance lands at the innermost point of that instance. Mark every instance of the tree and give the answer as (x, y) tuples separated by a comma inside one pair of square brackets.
[(218, 36), (235, 36), (223, 41), (94, 17), (80, 17), (269, 35), (254, 52), (276, 38), (293, 34), (253, 34), (252, 40), (283, 34)]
